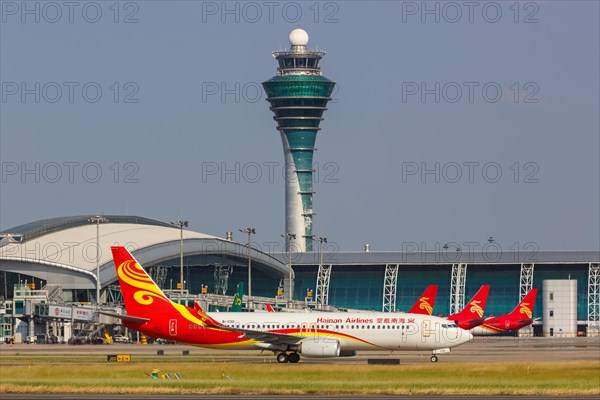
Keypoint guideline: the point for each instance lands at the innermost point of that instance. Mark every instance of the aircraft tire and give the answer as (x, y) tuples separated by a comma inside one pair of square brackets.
[(282, 358), (434, 358), (294, 358)]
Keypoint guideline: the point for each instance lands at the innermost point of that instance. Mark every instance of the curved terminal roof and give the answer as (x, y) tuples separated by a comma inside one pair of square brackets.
[(45, 226), (63, 250)]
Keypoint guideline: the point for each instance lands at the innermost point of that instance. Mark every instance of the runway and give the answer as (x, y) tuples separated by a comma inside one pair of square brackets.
[(481, 349), (274, 397)]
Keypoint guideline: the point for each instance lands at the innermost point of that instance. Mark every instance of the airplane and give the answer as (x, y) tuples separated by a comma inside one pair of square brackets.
[(426, 302), (521, 316), (472, 315), (287, 335)]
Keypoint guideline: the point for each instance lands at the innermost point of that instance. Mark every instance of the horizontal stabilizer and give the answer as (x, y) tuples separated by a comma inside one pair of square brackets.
[(128, 318)]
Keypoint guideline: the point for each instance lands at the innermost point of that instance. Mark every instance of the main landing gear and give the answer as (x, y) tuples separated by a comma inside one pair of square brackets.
[(434, 358), (283, 358)]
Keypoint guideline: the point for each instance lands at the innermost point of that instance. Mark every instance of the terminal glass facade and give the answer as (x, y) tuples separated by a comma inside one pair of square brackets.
[(361, 286)]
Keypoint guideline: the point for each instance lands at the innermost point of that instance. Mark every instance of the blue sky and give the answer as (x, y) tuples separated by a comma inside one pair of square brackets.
[(449, 124)]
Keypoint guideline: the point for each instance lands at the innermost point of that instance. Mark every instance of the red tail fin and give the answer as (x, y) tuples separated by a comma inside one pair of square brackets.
[(524, 310), (426, 302), (138, 289), (472, 315), (475, 308), (144, 299)]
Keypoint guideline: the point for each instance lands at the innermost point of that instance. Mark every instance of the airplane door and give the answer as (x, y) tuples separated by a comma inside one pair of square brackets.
[(173, 327), (426, 328)]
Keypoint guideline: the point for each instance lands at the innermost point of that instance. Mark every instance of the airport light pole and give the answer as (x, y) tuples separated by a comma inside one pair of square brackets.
[(249, 231), (289, 237), (321, 241), (181, 224), (97, 219)]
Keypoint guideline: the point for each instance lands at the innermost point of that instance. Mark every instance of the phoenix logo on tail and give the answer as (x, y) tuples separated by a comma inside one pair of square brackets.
[(476, 308), (525, 309), (424, 305)]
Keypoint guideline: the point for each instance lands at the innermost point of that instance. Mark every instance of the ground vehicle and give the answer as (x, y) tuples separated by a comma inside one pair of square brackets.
[(120, 339)]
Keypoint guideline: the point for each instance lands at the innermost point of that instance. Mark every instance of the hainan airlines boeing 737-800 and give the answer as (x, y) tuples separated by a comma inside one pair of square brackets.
[(327, 334)]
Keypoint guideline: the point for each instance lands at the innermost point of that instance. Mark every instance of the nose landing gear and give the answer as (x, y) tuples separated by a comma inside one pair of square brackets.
[(434, 357)]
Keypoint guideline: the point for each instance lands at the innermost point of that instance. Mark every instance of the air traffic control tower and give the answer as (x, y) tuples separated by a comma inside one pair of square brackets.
[(298, 95)]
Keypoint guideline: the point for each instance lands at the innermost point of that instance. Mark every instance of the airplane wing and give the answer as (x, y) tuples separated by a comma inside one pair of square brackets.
[(267, 337), (260, 336)]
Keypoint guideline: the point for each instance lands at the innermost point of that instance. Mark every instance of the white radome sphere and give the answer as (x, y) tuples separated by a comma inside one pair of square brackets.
[(298, 37)]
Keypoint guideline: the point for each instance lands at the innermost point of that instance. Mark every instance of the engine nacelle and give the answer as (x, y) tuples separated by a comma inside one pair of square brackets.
[(319, 347), (348, 353)]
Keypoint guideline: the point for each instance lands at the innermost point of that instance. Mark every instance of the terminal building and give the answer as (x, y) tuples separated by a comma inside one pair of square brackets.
[(54, 262)]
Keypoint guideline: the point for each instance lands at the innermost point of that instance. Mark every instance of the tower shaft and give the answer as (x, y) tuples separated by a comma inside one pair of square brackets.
[(298, 95)]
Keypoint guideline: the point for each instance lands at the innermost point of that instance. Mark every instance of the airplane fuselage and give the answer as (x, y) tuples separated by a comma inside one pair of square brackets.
[(353, 331), (497, 325)]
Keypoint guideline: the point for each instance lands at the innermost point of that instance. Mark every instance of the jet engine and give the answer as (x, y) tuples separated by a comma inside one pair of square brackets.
[(319, 347)]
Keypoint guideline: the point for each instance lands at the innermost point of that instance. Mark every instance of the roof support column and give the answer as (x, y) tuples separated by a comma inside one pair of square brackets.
[(593, 328), (323, 277), (389, 287), (525, 286), (458, 279)]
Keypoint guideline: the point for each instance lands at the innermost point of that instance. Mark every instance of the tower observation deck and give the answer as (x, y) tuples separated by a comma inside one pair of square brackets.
[(298, 95)]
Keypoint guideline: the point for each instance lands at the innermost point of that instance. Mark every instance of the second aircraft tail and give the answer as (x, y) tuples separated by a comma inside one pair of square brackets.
[(426, 302)]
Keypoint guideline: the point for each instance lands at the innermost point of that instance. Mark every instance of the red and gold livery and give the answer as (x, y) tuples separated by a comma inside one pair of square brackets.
[(312, 334), (520, 317)]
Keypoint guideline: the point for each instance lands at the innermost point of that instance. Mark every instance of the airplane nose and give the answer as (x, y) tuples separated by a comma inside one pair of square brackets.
[(465, 336)]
